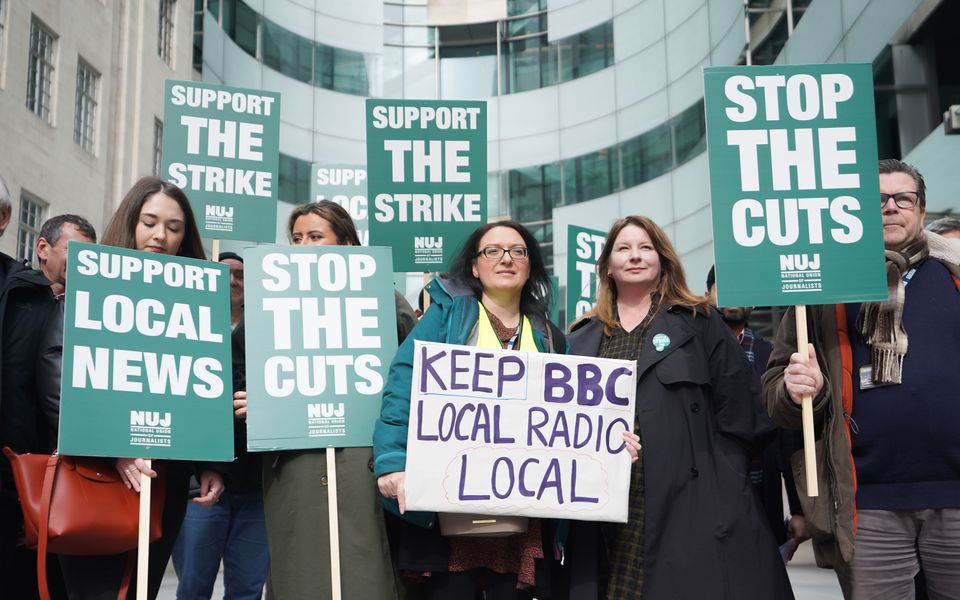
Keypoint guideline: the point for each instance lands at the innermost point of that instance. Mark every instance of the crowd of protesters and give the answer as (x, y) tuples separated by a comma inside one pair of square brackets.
[(714, 436)]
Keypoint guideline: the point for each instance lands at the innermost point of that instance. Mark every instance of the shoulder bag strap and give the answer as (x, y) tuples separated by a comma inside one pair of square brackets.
[(45, 498)]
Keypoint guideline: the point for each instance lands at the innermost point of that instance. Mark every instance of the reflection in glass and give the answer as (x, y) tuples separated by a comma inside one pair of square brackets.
[(287, 52), (420, 78)]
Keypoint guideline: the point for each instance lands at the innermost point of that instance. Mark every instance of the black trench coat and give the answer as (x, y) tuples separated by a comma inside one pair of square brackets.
[(697, 401)]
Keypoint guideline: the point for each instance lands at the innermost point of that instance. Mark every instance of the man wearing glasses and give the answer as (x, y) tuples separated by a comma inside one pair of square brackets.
[(885, 378)]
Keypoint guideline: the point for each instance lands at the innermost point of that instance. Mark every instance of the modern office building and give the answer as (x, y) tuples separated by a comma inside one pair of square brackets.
[(595, 106), (81, 103)]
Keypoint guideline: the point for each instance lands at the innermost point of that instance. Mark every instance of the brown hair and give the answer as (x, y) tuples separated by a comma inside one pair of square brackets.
[(892, 165), (121, 229), (334, 214), (673, 284)]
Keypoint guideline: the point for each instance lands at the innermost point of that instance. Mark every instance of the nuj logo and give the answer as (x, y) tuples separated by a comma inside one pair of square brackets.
[(147, 418), (214, 210), (324, 411), (428, 242), (799, 262)]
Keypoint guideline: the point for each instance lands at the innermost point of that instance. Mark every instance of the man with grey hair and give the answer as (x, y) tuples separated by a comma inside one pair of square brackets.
[(8, 264), (31, 336), (883, 376), (948, 227)]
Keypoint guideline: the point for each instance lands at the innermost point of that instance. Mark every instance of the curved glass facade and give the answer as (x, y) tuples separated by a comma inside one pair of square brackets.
[(529, 61)]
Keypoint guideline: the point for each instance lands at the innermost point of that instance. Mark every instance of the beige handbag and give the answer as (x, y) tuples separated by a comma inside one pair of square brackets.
[(467, 525)]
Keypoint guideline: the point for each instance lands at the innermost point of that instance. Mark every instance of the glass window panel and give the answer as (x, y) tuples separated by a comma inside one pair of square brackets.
[(40, 70), (392, 34), (415, 15), (418, 35), (85, 106), (468, 77), (213, 7), (287, 52), (690, 133), (522, 70), (245, 28), (294, 180), (392, 13), (392, 72), (590, 176), (647, 156), (350, 72), (522, 7), (420, 77)]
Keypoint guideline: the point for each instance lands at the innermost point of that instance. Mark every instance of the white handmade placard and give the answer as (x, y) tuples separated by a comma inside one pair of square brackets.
[(503, 432)]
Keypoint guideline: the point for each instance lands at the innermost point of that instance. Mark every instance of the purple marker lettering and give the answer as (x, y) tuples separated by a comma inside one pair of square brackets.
[(588, 378), (497, 438), (611, 387), (556, 383), (426, 366), (584, 420), (573, 488), (504, 376), (420, 435), (494, 477), (534, 428), (454, 369), (482, 423), (560, 430), (522, 477), (460, 414), (448, 417), (617, 435), (477, 372), (551, 479), (463, 483)]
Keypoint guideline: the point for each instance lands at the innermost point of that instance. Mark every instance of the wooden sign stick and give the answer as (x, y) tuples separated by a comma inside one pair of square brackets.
[(143, 537), (215, 252), (806, 406), (334, 523)]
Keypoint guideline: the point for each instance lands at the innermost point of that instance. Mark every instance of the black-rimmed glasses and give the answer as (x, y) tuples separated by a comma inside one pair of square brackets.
[(496, 252), (901, 199)]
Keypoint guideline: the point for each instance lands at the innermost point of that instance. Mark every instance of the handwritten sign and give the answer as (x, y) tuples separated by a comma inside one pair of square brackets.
[(514, 433)]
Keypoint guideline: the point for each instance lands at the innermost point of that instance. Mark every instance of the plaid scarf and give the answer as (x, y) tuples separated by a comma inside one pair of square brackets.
[(881, 323)]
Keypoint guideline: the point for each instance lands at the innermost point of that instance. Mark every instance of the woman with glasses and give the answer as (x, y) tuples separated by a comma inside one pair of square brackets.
[(695, 527), (494, 296)]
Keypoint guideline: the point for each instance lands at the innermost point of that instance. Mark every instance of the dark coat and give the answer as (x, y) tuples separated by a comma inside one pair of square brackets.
[(705, 534), (26, 305)]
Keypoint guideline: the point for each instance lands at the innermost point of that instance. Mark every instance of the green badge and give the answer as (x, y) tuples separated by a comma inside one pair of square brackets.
[(661, 341)]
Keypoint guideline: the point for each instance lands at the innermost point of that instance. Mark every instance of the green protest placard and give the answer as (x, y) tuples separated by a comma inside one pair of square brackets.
[(146, 356), (347, 186), (794, 184), (221, 145), (583, 249), (321, 331), (427, 168), (555, 302)]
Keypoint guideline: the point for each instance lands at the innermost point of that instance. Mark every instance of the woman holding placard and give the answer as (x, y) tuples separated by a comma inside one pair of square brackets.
[(154, 216), (296, 501), (695, 528), (495, 296)]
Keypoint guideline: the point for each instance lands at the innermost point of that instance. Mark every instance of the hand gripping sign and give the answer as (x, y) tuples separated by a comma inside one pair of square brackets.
[(794, 190), (514, 433)]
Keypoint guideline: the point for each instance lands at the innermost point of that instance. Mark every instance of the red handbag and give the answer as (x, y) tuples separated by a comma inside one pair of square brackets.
[(79, 505)]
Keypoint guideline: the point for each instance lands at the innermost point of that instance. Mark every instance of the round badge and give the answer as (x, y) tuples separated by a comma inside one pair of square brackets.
[(661, 341)]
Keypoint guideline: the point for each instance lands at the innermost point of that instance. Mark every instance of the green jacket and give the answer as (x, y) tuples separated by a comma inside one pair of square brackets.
[(450, 319)]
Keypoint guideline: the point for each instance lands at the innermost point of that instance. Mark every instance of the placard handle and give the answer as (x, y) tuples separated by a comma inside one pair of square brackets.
[(143, 535), (806, 406), (334, 523)]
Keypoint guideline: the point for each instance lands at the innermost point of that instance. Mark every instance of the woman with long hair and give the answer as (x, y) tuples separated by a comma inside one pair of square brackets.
[(695, 527), (295, 489), (154, 216), (494, 296)]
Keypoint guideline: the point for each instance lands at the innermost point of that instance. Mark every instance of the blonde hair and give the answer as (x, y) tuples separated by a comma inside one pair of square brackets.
[(672, 286)]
